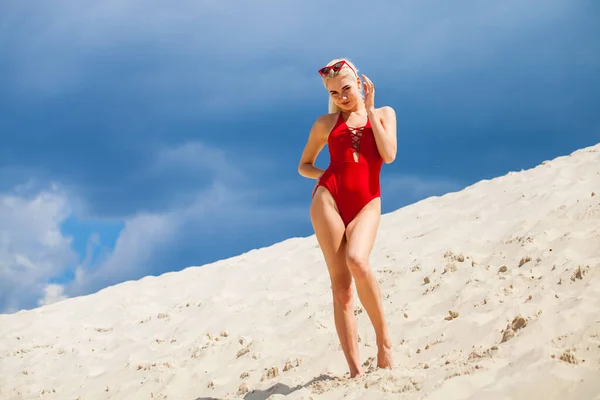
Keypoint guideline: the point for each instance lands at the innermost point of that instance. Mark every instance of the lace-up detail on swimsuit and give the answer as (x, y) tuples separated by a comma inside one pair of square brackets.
[(355, 136)]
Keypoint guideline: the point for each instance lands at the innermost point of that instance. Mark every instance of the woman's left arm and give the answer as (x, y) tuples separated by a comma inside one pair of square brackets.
[(383, 122)]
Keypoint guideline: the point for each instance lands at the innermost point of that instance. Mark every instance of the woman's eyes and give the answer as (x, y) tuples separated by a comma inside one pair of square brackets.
[(343, 90)]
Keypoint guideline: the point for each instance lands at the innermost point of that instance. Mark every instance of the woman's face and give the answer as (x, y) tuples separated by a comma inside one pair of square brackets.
[(344, 91)]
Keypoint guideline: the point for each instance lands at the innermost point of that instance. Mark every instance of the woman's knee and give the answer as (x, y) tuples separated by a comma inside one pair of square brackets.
[(357, 263), (342, 293)]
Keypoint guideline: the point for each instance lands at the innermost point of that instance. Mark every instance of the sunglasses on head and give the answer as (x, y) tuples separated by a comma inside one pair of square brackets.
[(335, 67)]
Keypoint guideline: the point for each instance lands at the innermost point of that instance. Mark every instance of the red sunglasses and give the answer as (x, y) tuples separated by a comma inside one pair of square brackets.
[(335, 67)]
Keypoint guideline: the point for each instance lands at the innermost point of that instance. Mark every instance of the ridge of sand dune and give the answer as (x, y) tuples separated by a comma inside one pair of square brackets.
[(491, 293)]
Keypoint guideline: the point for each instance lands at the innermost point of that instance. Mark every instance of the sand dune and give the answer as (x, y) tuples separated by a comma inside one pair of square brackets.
[(491, 293)]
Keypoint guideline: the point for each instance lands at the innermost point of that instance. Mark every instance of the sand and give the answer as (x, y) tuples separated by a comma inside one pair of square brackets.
[(491, 293)]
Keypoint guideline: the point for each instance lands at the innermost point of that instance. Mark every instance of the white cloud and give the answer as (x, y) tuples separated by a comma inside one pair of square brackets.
[(32, 247), (33, 251), (52, 293), (218, 210), (142, 235)]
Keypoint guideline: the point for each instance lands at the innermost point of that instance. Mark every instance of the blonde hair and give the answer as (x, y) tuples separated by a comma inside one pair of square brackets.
[(345, 71)]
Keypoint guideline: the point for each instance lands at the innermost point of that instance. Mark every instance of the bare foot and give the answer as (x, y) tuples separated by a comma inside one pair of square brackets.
[(357, 373), (384, 357)]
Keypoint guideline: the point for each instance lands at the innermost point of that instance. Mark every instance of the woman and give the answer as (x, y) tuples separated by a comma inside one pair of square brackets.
[(346, 206)]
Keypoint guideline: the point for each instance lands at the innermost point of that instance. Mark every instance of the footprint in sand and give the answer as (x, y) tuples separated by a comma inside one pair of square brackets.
[(450, 267), (453, 315), (517, 323), (271, 373), (245, 350), (243, 389), (369, 365), (325, 383), (595, 338), (431, 289), (389, 382), (524, 261), (200, 352), (479, 354), (452, 259), (522, 240), (579, 273), (160, 366), (451, 256), (292, 364), (567, 345), (568, 356)]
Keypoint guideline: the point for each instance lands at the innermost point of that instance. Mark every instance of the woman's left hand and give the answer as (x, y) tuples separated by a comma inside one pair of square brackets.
[(369, 90)]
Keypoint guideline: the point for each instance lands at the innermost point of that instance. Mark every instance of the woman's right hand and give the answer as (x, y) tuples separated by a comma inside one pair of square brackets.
[(319, 178), (316, 185)]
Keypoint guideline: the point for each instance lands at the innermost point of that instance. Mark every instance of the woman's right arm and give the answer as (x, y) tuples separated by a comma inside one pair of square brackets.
[(317, 138)]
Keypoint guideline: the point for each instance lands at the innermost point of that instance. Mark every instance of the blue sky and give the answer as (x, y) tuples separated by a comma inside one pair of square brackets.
[(142, 137)]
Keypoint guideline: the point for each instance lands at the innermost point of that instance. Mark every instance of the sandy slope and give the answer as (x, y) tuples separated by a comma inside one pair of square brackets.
[(515, 259)]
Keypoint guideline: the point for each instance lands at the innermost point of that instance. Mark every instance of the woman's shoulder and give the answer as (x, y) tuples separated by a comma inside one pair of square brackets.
[(326, 122), (386, 114), (328, 118), (387, 111)]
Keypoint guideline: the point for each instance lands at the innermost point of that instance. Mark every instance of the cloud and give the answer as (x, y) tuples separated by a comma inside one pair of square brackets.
[(33, 252), (155, 243), (226, 210), (32, 247), (142, 236), (52, 294)]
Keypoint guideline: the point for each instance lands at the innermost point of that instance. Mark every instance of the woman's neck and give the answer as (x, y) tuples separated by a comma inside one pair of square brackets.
[(358, 109)]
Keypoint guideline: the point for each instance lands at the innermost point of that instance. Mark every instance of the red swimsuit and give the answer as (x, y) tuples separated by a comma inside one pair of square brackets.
[(352, 183)]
